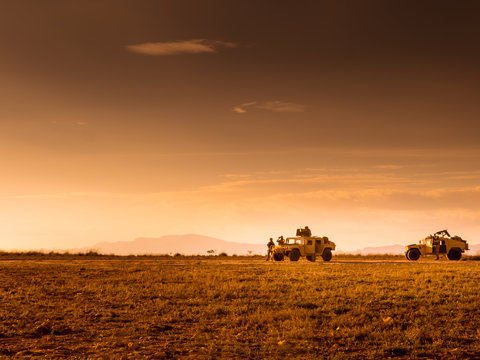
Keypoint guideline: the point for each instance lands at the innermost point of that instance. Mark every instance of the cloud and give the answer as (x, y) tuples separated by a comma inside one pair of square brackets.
[(196, 46), (275, 106), (281, 106), (237, 176), (239, 110), (389, 167)]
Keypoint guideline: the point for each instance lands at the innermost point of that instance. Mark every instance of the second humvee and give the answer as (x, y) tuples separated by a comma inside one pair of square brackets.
[(452, 246)]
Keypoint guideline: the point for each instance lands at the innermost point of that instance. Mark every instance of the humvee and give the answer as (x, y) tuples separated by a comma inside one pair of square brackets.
[(304, 244), (452, 246)]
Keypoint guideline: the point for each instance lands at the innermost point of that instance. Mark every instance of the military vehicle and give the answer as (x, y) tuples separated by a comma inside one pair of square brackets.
[(452, 246), (304, 244)]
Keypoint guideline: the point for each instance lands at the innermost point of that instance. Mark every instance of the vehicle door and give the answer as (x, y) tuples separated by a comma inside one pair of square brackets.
[(443, 246), (319, 245), (309, 245), (429, 246)]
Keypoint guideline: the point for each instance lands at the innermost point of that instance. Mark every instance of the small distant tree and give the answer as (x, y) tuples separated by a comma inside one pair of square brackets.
[(223, 254), (92, 253), (211, 252), (249, 252)]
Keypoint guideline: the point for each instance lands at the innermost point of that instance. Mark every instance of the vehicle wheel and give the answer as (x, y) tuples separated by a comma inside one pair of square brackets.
[(454, 254), (278, 256), (413, 254), (311, 258), (294, 255), (327, 255)]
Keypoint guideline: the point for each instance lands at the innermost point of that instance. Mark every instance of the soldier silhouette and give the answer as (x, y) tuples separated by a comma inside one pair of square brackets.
[(307, 231), (270, 246), (436, 246)]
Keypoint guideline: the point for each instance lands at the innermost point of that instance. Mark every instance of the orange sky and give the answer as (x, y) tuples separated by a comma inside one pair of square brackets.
[(121, 119)]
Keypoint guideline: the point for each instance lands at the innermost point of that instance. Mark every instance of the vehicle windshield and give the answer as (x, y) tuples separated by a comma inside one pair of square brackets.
[(294, 241)]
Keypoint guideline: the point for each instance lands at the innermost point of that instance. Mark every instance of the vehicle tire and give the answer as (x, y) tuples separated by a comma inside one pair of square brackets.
[(294, 255), (311, 258), (278, 256), (413, 254), (327, 255), (454, 254)]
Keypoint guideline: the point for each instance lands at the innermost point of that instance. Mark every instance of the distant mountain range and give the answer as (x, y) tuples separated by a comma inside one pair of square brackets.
[(194, 244), (474, 249), (190, 244)]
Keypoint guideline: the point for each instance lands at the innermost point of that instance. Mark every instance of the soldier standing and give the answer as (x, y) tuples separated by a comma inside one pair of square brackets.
[(436, 245), (270, 246)]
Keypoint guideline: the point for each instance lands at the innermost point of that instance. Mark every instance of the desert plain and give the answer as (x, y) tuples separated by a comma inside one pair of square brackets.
[(238, 307)]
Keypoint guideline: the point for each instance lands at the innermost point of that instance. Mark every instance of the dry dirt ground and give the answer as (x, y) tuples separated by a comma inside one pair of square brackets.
[(221, 308)]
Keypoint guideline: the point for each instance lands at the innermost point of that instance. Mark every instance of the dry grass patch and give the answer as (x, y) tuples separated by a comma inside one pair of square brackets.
[(194, 308)]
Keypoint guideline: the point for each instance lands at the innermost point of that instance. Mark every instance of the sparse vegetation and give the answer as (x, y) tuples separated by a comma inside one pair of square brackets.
[(198, 307), (471, 258), (93, 255)]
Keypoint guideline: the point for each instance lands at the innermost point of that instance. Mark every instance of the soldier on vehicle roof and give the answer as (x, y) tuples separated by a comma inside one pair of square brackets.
[(307, 231), (304, 232), (270, 246)]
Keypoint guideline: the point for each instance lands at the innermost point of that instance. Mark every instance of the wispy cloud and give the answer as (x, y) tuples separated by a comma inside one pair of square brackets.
[(195, 46), (275, 106), (281, 106), (389, 167), (241, 109), (237, 176)]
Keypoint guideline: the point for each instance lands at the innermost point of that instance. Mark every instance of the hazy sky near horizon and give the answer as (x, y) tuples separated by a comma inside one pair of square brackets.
[(238, 119)]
